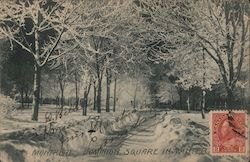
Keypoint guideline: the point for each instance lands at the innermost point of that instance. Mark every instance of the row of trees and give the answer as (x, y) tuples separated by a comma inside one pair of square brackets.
[(88, 32), (205, 42)]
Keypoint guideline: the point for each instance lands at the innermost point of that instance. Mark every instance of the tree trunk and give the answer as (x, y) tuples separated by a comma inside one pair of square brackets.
[(114, 106), (41, 97), (26, 99), (180, 94), (57, 101), (188, 101), (188, 104), (98, 98), (94, 102), (108, 91), (242, 97), (203, 87), (85, 99), (62, 99), (135, 93), (62, 95), (36, 93), (203, 104), (37, 73), (22, 99), (76, 88), (85, 104), (230, 97), (172, 97)]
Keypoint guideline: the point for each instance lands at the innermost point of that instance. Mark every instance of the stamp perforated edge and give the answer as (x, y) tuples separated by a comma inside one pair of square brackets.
[(210, 134)]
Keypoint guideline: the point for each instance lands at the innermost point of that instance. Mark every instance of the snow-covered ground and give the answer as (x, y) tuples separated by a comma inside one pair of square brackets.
[(144, 135)]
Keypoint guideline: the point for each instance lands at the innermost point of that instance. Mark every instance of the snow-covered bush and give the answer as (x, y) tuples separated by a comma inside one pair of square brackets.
[(7, 105)]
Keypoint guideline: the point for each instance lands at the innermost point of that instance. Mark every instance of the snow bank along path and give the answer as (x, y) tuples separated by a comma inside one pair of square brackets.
[(131, 136)]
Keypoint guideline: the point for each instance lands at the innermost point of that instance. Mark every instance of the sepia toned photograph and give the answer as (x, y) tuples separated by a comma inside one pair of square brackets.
[(124, 80)]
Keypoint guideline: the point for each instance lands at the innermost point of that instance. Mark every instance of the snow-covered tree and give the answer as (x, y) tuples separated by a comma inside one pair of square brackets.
[(38, 27), (218, 27), (103, 32)]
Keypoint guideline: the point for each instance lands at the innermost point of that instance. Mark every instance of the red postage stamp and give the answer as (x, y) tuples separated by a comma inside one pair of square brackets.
[(228, 133)]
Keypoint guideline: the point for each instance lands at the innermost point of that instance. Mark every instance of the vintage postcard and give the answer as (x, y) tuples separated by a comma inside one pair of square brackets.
[(124, 80)]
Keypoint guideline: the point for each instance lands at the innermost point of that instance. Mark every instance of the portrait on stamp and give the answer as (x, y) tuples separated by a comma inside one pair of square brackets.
[(228, 132)]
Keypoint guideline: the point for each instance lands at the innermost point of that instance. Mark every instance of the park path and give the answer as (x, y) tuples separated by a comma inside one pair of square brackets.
[(143, 137)]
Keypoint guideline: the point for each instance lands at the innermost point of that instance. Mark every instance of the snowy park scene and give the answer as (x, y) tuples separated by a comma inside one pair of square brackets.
[(124, 80)]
